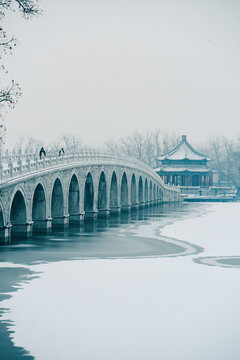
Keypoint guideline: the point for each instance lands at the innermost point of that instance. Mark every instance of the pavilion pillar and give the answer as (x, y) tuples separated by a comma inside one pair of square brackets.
[(210, 180), (207, 180)]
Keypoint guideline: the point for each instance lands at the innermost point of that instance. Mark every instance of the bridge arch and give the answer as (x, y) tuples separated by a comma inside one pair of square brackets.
[(124, 190), (146, 190), (150, 191), (102, 192), (140, 190), (18, 208), (114, 191), (57, 200), (39, 203), (161, 195), (2, 215), (88, 194), (154, 192), (73, 196), (133, 190)]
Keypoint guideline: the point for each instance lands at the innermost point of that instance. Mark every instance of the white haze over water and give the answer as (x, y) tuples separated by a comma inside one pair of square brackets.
[(155, 308), (103, 69)]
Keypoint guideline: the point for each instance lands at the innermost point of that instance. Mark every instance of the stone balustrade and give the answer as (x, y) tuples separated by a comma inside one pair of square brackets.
[(27, 164)]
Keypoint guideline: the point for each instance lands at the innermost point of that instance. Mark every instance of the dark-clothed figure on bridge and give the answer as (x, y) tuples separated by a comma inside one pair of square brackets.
[(42, 152), (61, 152)]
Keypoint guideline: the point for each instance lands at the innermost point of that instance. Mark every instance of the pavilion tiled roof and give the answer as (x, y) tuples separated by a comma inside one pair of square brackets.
[(183, 169), (183, 151)]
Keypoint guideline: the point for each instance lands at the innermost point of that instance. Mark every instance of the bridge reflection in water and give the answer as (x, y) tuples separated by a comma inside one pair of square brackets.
[(132, 234)]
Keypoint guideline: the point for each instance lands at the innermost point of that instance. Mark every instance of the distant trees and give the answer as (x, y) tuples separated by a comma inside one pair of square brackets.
[(144, 146), (29, 145), (11, 92), (225, 159), (147, 146), (71, 143)]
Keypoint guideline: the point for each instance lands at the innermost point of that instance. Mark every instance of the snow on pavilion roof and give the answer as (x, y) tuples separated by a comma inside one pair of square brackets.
[(183, 151), (183, 169)]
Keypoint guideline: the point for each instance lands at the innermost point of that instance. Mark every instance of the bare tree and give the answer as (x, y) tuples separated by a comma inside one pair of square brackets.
[(10, 94), (72, 143), (144, 146)]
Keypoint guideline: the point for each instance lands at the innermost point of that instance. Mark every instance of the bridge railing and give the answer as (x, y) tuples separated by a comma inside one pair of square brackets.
[(13, 167)]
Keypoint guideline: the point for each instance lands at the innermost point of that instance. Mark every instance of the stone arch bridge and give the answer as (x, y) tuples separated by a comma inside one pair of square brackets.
[(73, 187)]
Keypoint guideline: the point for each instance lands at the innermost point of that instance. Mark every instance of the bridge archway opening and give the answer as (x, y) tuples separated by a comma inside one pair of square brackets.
[(1, 217), (74, 196), (57, 203), (154, 192), (150, 191), (114, 191), (140, 190), (124, 190), (133, 190), (18, 214), (102, 192), (146, 190), (157, 193), (88, 194), (39, 204)]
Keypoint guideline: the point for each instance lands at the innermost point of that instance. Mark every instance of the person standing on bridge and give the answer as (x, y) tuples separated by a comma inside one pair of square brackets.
[(42, 152), (61, 151)]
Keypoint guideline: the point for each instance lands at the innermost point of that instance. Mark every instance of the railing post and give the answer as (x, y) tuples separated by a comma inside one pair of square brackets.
[(36, 162), (10, 165), (28, 161), (19, 162), (1, 171)]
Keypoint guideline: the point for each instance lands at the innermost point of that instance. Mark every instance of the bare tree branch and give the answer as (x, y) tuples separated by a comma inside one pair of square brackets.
[(10, 95)]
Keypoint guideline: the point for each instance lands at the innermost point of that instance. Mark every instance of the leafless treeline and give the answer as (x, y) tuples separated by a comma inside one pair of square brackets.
[(225, 159), (29, 145), (144, 146), (147, 146)]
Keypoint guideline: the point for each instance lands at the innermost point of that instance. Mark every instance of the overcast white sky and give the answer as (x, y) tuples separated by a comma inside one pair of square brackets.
[(103, 69)]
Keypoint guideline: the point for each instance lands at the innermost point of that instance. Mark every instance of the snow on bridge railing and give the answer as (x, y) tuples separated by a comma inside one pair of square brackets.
[(17, 166)]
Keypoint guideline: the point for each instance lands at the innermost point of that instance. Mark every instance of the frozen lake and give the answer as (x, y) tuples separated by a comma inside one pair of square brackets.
[(161, 284)]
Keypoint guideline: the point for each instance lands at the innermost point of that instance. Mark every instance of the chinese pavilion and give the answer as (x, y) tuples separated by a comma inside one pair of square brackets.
[(184, 166)]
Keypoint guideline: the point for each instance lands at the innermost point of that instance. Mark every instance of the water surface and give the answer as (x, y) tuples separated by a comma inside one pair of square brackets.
[(161, 283)]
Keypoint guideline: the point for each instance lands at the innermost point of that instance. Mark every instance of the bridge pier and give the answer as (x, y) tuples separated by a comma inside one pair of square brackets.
[(141, 204), (103, 213), (5, 234), (60, 221), (135, 206), (103, 222), (90, 214), (43, 226), (125, 217), (22, 230), (115, 210), (125, 208), (76, 218)]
